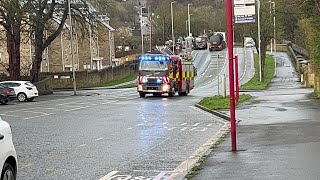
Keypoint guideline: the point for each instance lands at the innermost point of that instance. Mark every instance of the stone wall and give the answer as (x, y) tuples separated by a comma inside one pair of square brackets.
[(63, 80)]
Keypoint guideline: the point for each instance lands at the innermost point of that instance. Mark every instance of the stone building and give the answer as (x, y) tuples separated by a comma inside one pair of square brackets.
[(92, 50)]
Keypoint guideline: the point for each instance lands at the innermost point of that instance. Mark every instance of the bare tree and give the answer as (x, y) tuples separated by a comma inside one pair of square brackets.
[(12, 13), (46, 13)]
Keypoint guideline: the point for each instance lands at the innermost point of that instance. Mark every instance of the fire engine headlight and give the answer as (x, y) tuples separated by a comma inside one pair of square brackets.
[(144, 80), (140, 87), (166, 87)]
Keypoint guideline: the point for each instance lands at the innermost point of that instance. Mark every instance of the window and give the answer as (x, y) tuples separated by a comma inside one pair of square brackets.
[(29, 84)]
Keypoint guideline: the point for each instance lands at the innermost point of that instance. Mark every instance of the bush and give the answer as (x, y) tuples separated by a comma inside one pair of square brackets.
[(45, 86), (3, 77)]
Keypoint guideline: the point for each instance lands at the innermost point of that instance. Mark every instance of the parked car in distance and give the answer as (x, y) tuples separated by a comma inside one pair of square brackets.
[(8, 155), (249, 45), (6, 94), (24, 90)]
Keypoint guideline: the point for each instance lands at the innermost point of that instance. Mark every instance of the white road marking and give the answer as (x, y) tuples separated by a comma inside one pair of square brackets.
[(33, 117), (160, 176), (196, 124), (109, 102), (209, 124), (55, 109), (34, 112), (98, 139), (81, 145), (183, 129), (198, 129), (183, 124), (74, 109), (9, 115), (172, 128), (109, 175), (23, 109)]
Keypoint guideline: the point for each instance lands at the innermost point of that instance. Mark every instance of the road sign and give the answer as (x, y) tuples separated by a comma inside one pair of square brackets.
[(244, 11), (145, 22)]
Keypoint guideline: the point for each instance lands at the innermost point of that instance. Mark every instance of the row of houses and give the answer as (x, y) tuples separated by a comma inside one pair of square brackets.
[(92, 51)]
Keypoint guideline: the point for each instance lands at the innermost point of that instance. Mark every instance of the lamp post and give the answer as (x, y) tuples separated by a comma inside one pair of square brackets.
[(259, 42), (152, 14), (141, 24), (72, 50), (271, 46), (274, 37), (172, 31), (189, 26)]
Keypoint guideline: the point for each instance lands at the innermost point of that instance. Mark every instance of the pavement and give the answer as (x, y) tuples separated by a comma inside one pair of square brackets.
[(278, 136)]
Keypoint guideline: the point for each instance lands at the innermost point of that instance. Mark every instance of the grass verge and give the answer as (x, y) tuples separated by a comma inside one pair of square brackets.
[(254, 83), (219, 102), (193, 172), (131, 77)]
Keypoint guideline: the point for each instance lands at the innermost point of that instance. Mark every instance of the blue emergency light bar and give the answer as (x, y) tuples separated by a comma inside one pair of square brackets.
[(154, 58)]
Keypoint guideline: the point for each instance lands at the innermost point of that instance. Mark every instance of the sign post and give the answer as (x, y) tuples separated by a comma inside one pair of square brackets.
[(244, 11)]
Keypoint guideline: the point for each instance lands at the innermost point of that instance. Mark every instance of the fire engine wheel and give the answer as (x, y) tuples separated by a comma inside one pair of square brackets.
[(184, 93), (142, 94), (171, 94)]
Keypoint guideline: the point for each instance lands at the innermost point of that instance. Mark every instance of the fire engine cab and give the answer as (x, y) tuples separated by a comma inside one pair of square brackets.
[(164, 74)]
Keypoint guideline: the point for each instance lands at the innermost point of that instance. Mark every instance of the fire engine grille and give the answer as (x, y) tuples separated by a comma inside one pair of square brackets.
[(152, 82), (152, 88)]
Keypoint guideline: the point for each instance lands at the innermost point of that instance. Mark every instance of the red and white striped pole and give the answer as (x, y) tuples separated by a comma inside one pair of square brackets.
[(229, 13)]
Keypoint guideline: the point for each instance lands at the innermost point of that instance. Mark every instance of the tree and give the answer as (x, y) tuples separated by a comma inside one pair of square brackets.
[(12, 13), (42, 16)]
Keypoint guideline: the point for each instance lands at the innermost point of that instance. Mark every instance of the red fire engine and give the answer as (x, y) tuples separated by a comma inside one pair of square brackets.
[(163, 74)]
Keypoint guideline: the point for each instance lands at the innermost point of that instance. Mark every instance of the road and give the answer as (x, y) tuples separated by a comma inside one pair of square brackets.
[(112, 133)]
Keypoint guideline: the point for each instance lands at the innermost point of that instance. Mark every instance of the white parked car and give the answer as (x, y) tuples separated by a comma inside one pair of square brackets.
[(8, 156), (249, 45), (24, 90)]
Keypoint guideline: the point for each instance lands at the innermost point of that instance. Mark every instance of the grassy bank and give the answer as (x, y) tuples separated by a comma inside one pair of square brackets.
[(131, 77), (254, 83), (219, 102)]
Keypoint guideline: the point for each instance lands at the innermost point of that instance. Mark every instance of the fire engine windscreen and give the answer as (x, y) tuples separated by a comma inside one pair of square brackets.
[(154, 65)]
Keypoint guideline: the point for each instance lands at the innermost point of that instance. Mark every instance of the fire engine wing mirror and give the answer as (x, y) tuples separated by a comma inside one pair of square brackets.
[(195, 71), (135, 67), (175, 68)]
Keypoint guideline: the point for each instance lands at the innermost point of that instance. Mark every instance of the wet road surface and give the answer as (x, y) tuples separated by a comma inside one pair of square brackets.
[(112, 133)]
